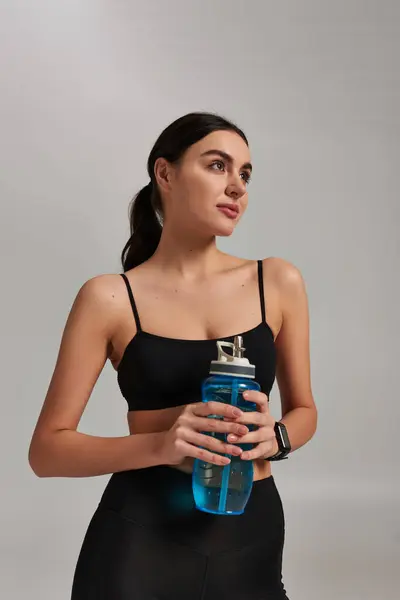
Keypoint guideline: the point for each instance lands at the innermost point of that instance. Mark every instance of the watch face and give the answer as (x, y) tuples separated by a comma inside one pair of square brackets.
[(282, 437)]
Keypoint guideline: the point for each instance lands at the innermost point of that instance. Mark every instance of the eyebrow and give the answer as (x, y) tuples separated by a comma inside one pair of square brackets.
[(227, 157)]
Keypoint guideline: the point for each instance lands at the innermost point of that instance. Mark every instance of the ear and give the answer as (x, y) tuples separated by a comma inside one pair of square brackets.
[(163, 173)]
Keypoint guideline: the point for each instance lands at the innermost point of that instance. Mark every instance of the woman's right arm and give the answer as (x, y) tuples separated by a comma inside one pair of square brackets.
[(57, 449)]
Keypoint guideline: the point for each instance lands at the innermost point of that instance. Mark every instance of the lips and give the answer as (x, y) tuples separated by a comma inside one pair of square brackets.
[(229, 210)]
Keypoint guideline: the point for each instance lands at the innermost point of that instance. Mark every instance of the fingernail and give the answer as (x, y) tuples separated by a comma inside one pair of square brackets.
[(232, 437), (245, 395), (236, 412)]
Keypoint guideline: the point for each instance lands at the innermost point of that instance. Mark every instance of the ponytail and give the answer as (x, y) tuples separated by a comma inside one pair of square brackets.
[(145, 228)]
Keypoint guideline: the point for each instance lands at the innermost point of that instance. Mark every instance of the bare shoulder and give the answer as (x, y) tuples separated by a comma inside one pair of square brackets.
[(102, 296), (102, 287), (284, 274)]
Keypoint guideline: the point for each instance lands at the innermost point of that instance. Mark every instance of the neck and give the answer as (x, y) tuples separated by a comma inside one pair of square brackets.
[(183, 255)]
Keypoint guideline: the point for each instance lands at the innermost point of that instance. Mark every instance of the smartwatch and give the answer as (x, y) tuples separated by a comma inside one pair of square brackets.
[(283, 442)]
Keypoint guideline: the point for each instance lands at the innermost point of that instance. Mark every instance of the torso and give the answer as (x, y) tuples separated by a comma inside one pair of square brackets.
[(226, 304)]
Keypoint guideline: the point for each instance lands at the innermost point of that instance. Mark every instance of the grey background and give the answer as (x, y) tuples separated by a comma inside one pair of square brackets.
[(85, 89)]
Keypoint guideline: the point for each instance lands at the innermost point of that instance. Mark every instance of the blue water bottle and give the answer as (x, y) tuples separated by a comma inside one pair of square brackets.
[(225, 490)]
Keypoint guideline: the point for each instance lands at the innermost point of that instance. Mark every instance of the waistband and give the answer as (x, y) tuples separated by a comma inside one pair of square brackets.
[(161, 499)]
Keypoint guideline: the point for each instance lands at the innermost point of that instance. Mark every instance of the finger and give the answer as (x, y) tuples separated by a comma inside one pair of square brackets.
[(219, 426), (261, 450), (254, 417), (262, 434), (202, 454), (203, 409), (258, 398), (211, 443)]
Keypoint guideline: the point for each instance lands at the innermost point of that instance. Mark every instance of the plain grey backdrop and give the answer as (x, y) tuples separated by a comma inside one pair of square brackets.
[(86, 87)]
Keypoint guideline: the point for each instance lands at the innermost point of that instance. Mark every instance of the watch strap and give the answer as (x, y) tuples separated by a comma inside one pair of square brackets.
[(282, 438)]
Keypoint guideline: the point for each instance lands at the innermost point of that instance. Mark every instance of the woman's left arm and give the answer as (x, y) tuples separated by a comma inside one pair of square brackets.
[(299, 412)]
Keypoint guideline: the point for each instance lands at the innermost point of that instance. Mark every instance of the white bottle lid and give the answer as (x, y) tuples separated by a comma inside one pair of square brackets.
[(232, 364)]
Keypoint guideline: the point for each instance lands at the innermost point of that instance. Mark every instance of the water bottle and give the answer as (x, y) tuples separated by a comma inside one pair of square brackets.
[(225, 489)]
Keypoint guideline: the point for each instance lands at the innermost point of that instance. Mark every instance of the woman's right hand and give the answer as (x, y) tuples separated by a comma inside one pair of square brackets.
[(185, 437)]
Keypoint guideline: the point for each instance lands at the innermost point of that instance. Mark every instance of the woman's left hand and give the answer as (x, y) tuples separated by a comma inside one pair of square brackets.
[(264, 437)]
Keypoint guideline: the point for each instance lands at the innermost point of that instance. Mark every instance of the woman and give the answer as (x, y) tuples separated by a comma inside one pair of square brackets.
[(158, 323)]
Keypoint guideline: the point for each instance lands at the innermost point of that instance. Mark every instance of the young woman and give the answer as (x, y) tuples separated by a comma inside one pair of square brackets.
[(158, 323)]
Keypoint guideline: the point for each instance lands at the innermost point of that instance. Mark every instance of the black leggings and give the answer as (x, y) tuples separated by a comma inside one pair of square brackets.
[(147, 541)]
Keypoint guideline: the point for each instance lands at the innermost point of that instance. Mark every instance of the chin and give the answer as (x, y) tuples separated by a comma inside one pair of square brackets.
[(221, 227), (224, 230)]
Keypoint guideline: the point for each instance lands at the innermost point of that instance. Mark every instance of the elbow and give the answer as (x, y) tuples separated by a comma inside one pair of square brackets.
[(310, 420), (37, 459), (313, 420), (315, 417), (34, 463)]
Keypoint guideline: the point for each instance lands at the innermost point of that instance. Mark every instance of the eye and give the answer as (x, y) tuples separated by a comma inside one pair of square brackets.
[(246, 177), (217, 163)]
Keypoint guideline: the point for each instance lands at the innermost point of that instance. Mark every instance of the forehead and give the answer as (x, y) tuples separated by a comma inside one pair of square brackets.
[(227, 141)]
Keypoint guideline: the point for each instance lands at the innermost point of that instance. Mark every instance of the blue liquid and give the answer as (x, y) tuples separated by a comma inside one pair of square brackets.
[(225, 490)]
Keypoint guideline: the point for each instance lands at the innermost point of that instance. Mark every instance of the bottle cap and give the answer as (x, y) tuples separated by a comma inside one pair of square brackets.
[(232, 364)]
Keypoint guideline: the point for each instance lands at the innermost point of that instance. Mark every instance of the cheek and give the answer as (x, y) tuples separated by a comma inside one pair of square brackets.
[(209, 181), (201, 193), (189, 203)]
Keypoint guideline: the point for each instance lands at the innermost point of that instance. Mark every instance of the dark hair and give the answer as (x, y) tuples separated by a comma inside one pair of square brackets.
[(145, 212)]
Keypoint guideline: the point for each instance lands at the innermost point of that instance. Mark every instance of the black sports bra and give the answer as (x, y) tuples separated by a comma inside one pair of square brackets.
[(159, 372)]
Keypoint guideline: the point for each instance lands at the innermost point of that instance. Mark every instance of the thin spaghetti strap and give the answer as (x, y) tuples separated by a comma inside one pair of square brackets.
[(133, 303), (261, 289)]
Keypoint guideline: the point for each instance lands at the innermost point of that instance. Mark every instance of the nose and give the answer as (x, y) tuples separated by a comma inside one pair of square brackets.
[(236, 189)]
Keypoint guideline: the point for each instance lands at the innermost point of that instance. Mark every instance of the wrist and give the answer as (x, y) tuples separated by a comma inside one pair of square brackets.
[(157, 448), (146, 449), (281, 443), (275, 448)]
